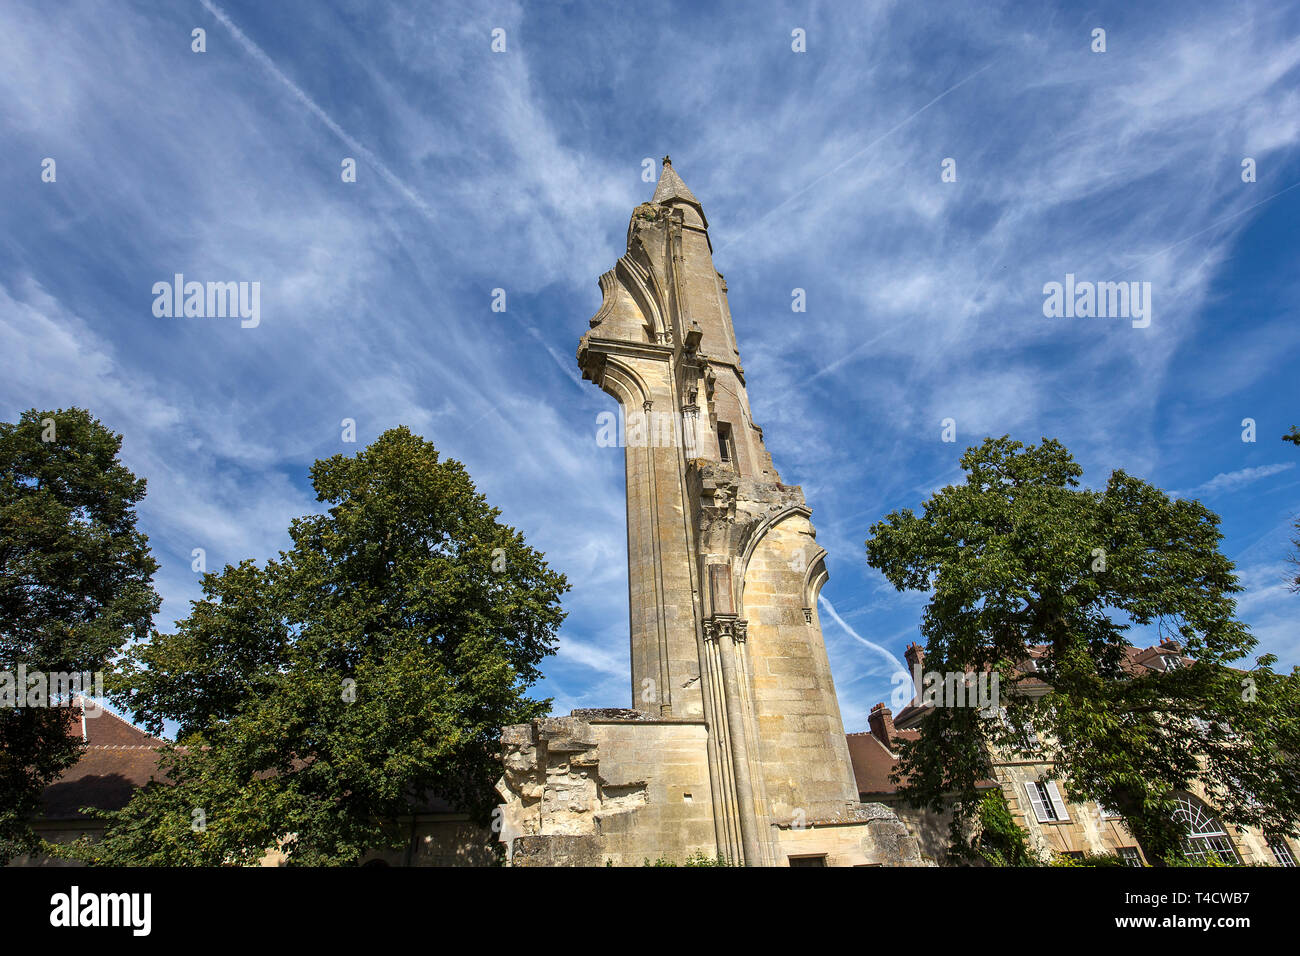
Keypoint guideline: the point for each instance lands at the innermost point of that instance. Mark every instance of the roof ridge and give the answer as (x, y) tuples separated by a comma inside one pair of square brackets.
[(105, 711)]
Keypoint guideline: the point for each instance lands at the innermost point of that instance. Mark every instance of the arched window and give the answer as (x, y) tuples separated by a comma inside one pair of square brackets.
[(1205, 835)]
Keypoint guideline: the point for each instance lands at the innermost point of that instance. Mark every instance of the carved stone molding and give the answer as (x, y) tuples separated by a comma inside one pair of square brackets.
[(721, 625)]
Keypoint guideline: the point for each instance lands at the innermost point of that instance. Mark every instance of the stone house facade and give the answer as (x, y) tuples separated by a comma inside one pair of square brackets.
[(1055, 825)]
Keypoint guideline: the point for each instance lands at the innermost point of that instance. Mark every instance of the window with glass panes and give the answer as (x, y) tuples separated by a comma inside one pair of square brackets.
[(1205, 836), (1281, 851)]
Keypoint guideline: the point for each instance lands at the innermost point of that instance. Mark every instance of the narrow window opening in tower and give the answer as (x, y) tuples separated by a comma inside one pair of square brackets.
[(726, 447)]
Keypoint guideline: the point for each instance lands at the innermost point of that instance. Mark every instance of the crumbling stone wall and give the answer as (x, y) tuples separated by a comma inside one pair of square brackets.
[(605, 786), (617, 786)]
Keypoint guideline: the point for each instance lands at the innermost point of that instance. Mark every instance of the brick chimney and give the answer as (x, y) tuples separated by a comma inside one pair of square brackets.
[(881, 721), (915, 656)]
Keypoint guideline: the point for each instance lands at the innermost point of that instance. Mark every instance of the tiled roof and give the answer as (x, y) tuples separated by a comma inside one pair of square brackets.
[(119, 758), (1134, 661), (873, 763)]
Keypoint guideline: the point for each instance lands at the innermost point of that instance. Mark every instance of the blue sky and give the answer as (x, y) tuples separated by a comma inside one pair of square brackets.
[(818, 170)]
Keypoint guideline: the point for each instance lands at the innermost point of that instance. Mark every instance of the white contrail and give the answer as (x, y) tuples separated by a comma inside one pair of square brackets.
[(1217, 222), (830, 172), (852, 352), (858, 637), (256, 52)]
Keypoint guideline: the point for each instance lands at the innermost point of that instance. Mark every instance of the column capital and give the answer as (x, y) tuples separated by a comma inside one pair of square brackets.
[(725, 625)]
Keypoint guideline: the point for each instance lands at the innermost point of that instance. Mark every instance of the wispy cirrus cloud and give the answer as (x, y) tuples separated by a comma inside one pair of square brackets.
[(1232, 480), (819, 171)]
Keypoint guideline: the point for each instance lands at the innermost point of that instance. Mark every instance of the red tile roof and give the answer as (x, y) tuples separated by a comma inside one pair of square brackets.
[(119, 758), (1135, 661), (873, 763)]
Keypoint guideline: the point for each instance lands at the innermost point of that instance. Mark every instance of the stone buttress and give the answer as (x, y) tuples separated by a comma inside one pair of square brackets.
[(724, 571)]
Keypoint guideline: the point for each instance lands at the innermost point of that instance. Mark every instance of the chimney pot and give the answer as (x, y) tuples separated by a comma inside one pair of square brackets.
[(915, 656), (881, 720)]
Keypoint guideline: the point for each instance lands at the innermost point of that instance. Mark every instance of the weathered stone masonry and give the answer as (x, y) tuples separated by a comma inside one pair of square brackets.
[(735, 743)]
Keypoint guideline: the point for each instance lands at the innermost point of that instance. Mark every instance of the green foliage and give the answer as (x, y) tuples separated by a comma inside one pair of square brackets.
[(1212, 859), (698, 858), (75, 586), (1018, 556), (371, 666), (1088, 859), (999, 841)]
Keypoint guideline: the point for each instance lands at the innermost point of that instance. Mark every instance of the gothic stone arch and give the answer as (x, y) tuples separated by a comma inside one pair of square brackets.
[(803, 749)]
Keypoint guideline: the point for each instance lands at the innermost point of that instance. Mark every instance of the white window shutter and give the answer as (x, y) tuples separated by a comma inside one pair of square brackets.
[(1035, 801), (1061, 812)]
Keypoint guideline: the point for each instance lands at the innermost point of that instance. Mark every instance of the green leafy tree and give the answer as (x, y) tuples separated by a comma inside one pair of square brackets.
[(1019, 555), (75, 586), (998, 840), (369, 668)]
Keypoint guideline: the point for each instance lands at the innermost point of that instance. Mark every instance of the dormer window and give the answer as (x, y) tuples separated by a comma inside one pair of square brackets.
[(1172, 663)]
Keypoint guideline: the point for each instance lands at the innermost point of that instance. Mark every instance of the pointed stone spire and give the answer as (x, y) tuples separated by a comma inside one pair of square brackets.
[(672, 189)]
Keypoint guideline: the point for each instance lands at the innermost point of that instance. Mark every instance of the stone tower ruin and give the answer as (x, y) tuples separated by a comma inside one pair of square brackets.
[(733, 745)]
